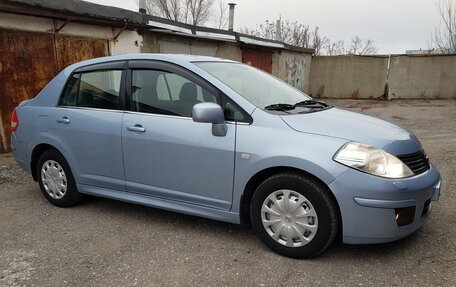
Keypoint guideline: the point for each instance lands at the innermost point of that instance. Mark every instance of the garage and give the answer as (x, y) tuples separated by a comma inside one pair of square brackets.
[(258, 59), (29, 60)]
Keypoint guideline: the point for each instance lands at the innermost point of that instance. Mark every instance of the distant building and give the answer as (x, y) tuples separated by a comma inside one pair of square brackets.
[(453, 46), (422, 52), (450, 50)]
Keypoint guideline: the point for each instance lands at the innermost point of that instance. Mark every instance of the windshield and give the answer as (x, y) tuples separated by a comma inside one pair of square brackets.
[(258, 87)]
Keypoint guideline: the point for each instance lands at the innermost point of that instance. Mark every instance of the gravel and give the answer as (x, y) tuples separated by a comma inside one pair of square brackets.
[(102, 242)]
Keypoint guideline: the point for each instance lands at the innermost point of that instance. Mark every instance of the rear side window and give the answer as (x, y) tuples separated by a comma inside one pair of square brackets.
[(71, 92), (97, 89)]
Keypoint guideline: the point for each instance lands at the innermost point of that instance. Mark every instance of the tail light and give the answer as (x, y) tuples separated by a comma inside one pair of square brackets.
[(14, 121)]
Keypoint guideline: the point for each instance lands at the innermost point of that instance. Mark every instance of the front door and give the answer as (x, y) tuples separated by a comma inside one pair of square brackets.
[(166, 153)]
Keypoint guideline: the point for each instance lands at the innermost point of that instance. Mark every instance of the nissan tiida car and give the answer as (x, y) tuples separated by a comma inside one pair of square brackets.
[(222, 140)]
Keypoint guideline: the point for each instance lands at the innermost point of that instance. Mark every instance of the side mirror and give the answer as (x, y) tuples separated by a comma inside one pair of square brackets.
[(210, 113)]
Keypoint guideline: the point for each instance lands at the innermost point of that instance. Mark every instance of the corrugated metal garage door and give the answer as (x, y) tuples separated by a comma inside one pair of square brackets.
[(259, 59), (29, 60)]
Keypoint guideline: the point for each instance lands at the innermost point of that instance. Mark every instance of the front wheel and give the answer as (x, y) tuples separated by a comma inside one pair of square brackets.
[(294, 215), (56, 180)]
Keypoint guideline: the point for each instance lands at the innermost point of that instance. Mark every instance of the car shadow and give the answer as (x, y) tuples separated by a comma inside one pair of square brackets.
[(384, 250), (150, 215)]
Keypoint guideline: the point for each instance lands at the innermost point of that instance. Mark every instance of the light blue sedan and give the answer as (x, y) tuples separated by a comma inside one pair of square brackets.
[(222, 140)]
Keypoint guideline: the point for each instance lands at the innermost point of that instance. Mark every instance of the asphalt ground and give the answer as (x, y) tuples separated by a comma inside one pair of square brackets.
[(102, 242)]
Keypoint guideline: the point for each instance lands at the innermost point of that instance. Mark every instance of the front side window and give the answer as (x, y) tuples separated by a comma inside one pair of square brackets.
[(97, 89), (161, 92)]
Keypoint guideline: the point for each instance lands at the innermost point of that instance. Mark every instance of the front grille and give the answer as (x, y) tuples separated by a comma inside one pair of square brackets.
[(417, 162)]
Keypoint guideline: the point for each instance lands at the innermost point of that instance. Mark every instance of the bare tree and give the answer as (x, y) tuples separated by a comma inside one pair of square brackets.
[(195, 12), (444, 37), (355, 45), (335, 48), (221, 19), (293, 33), (318, 42), (170, 9), (359, 46), (199, 10), (266, 30)]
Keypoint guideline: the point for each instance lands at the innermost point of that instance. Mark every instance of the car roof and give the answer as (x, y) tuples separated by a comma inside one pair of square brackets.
[(174, 58)]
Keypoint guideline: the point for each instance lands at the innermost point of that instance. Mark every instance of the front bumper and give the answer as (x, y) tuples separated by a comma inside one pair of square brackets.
[(369, 204)]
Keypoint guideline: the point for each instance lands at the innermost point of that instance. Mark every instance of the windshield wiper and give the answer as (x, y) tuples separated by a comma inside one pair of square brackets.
[(280, 107), (312, 104)]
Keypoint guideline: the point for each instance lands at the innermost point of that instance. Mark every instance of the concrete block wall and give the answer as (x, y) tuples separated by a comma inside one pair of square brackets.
[(348, 76), (365, 77), (418, 77)]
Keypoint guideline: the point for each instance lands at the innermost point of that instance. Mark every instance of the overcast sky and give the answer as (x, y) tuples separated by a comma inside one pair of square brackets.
[(394, 25)]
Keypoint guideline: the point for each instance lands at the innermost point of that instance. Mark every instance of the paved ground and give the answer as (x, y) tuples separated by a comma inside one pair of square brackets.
[(107, 243)]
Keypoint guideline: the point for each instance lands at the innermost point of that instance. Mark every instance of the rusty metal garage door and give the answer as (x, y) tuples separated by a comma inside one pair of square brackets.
[(259, 59), (72, 49), (29, 60)]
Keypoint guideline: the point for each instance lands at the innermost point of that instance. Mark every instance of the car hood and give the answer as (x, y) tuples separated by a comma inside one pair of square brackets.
[(353, 126)]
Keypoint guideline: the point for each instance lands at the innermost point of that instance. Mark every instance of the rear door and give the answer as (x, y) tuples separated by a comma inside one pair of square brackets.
[(87, 124), (166, 153)]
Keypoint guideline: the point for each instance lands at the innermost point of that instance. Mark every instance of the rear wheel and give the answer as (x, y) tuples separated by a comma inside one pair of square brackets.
[(294, 215), (56, 180)]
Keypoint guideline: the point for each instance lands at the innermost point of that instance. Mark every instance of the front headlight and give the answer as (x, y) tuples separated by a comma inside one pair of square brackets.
[(372, 160)]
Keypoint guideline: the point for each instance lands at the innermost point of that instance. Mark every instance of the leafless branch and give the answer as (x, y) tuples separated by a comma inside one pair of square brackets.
[(221, 19), (444, 37), (195, 12), (359, 46), (293, 33), (335, 48)]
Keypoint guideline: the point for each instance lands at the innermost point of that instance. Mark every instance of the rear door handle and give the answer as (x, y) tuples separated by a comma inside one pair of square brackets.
[(136, 128), (63, 120)]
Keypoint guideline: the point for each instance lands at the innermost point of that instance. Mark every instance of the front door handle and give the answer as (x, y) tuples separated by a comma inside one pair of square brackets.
[(136, 128), (63, 120)]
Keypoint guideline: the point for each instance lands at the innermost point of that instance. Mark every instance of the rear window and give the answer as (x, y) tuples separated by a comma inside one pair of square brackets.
[(97, 89)]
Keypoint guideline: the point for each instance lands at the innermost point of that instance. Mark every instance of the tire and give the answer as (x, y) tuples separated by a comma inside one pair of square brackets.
[(56, 180), (302, 227)]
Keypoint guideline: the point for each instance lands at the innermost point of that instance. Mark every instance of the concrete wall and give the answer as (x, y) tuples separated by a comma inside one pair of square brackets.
[(160, 43), (363, 77), (129, 42), (423, 77), (348, 76)]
